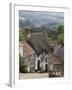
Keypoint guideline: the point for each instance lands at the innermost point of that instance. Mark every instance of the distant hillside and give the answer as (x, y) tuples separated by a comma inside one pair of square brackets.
[(40, 19)]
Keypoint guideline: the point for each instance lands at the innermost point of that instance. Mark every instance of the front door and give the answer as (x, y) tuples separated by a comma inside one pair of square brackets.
[(46, 67), (38, 65)]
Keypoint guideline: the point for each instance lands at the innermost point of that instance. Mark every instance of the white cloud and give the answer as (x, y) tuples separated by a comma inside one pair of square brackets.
[(21, 18)]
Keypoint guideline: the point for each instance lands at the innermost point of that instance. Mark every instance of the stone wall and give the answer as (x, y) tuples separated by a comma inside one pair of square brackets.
[(29, 61)]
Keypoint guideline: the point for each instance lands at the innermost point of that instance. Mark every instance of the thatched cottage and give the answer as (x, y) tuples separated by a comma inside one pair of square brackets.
[(35, 52)]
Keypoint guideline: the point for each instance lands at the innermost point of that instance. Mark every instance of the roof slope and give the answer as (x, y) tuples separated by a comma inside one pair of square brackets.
[(39, 42), (59, 51), (27, 50)]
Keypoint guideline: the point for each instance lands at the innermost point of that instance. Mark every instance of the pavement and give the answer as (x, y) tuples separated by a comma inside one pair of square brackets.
[(33, 75)]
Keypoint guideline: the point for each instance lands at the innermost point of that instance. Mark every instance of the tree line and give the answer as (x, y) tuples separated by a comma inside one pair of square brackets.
[(55, 36)]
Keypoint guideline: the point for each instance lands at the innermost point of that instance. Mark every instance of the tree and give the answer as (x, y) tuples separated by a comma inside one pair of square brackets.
[(60, 38), (23, 33), (60, 29)]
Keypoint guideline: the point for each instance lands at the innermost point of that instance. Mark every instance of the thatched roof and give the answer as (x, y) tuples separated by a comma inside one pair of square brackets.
[(59, 51), (39, 42)]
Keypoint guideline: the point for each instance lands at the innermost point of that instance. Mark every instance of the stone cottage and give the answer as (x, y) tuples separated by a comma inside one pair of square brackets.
[(27, 56), (58, 60)]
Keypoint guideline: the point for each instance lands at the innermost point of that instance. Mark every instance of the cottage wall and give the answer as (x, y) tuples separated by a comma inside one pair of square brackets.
[(21, 51), (43, 62), (27, 56), (29, 61)]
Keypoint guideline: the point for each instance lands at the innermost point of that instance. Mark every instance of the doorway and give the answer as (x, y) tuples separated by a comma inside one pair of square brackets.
[(46, 67), (38, 65)]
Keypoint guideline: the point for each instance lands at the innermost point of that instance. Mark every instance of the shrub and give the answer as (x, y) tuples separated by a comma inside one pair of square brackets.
[(23, 69)]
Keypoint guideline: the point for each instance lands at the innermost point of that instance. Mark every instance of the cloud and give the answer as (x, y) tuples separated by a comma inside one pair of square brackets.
[(21, 18)]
